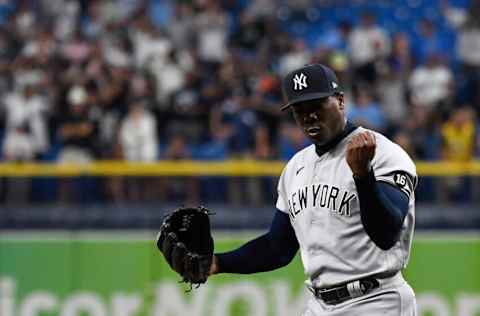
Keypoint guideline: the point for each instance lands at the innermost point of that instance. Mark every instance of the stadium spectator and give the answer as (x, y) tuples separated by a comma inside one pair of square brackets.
[(401, 60), (169, 76), (211, 26), (77, 130), (394, 77), (23, 20), (26, 134), (431, 84), (188, 109), (424, 131), (469, 42), (368, 44), (149, 42), (297, 56), (237, 116), (63, 16), (458, 134), (181, 29), (247, 36), (468, 46), (138, 136)]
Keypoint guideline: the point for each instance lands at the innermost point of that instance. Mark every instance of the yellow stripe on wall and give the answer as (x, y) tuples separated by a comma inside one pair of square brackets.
[(199, 168)]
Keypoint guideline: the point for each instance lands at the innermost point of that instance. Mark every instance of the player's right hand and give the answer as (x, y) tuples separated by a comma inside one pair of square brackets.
[(360, 152)]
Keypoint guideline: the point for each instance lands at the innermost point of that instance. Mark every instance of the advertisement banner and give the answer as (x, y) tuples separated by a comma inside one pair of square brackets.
[(75, 275)]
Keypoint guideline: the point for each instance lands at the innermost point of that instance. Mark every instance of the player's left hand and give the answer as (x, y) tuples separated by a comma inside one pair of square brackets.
[(360, 152), (186, 242)]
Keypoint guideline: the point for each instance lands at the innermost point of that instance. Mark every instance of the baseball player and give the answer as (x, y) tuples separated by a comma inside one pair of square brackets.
[(347, 202)]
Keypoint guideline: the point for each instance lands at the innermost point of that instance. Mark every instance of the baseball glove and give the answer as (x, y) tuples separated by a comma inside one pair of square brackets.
[(186, 242)]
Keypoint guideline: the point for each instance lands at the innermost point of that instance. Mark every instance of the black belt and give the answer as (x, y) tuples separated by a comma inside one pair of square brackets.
[(342, 293)]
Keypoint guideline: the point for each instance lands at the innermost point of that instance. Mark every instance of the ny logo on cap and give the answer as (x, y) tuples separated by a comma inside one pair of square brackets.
[(299, 82), (334, 85)]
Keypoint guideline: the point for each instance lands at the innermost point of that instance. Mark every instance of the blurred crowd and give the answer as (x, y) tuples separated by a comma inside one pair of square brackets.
[(148, 80)]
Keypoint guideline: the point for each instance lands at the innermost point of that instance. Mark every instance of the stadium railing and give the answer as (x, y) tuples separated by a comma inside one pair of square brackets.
[(190, 168)]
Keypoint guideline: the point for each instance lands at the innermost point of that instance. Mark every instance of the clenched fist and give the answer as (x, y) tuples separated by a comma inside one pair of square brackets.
[(360, 151)]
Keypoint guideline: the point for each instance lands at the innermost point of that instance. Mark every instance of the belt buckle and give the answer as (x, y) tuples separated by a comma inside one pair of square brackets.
[(333, 296), (345, 292), (355, 289)]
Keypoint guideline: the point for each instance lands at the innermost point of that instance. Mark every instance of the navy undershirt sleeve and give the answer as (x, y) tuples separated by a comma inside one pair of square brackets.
[(383, 208), (270, 251)]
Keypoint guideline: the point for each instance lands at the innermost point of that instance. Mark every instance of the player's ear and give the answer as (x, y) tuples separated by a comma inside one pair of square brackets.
[(341, 101)]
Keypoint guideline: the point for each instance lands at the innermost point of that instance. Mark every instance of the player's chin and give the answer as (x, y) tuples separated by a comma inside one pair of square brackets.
[(318, 139)]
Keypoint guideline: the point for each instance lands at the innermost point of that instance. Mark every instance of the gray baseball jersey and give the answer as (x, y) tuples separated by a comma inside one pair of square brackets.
[(319, 194)]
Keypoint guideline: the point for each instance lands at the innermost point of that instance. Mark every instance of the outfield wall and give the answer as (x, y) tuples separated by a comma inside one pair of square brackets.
[(122, 274)]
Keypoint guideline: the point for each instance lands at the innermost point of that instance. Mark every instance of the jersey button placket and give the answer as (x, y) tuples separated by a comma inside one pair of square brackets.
[(317, 167), (315, 176), (315, 179)]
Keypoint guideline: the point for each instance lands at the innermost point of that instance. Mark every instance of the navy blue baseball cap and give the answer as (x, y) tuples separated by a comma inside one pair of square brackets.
[(310, 82)]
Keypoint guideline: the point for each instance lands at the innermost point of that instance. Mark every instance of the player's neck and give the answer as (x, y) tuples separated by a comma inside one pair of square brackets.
[(322, 149)]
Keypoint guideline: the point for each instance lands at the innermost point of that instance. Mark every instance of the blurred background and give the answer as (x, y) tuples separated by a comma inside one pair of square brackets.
[(114, 112)]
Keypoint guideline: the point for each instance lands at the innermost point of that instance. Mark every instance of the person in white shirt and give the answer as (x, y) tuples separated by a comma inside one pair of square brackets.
[(25, 119), (138, 135), (139, 143), (368, 43), (431, 83)]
